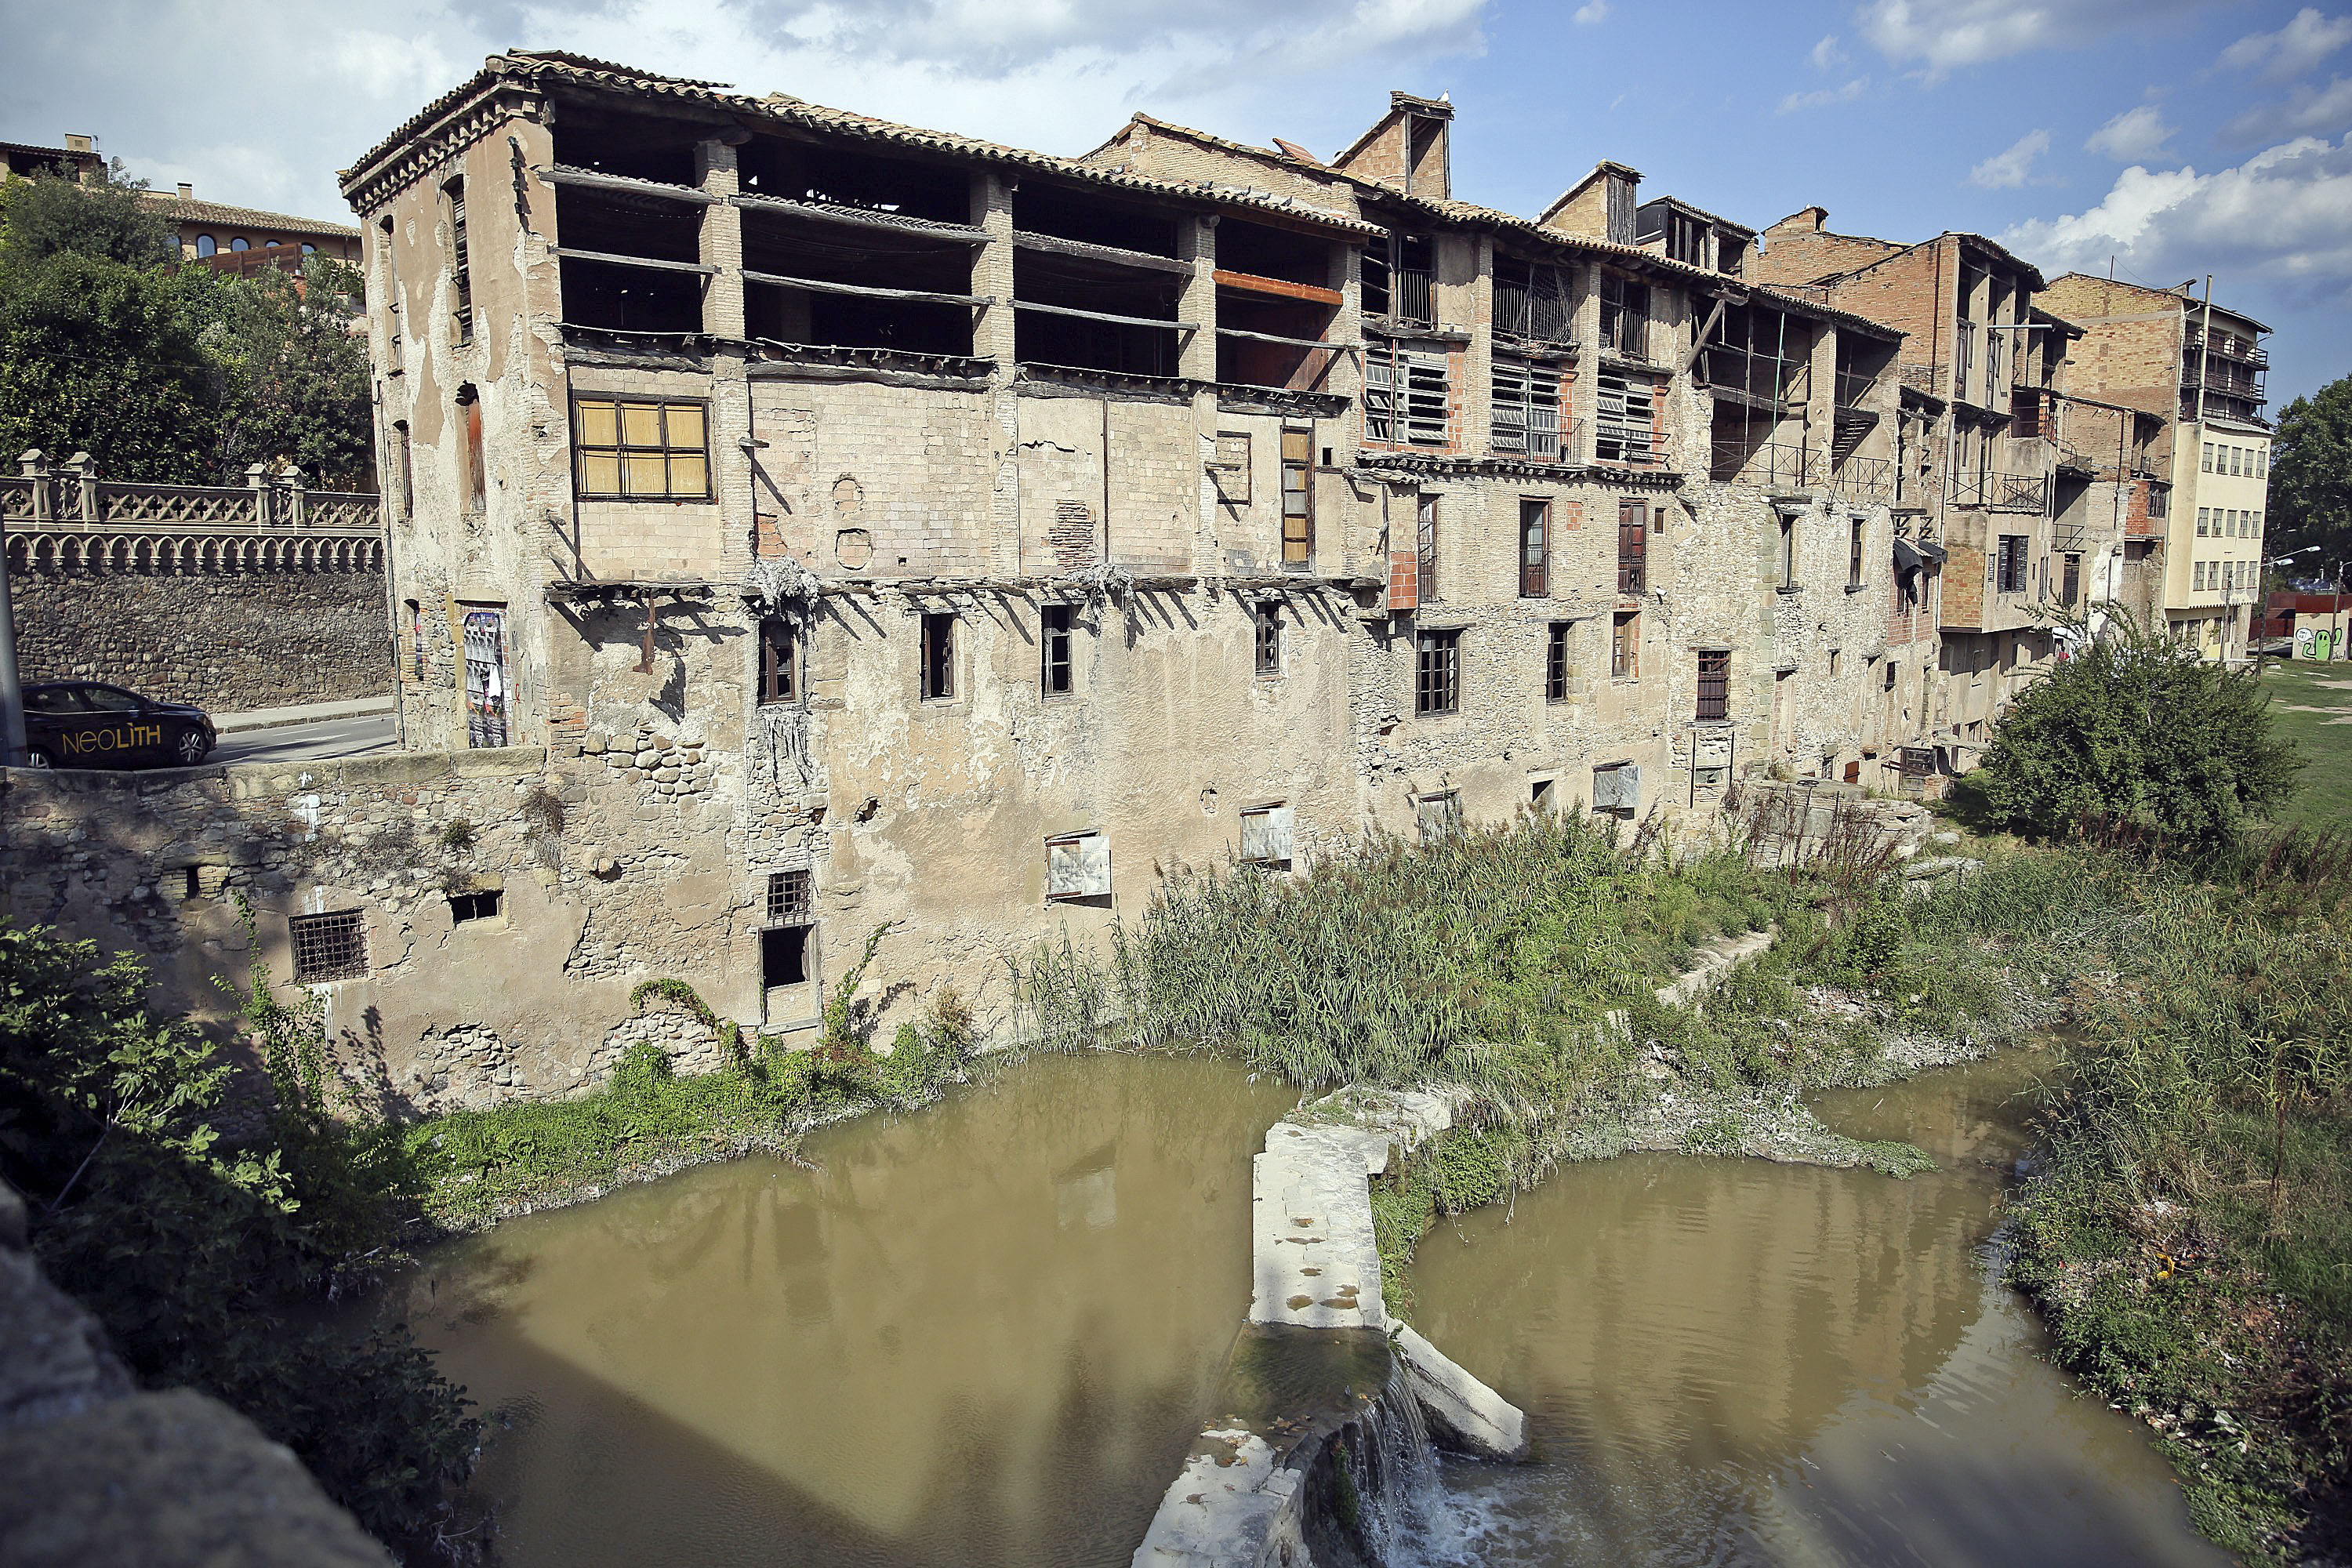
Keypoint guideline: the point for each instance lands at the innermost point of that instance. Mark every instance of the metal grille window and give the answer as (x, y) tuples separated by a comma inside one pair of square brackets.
[(1426, 546), (1526, 409), (2010, 565), (1055, 676), (1624, 316), (1437, 672), (1633, 547), (1404, 396), (1535, 547), (1531, 300), (1556, 662), (1624, 419), (1713, 683), (1625, 646), (1298, 497), (780, 661), (1268, 627), (791, 898), (937, 677), (631, 450), (329, 946)]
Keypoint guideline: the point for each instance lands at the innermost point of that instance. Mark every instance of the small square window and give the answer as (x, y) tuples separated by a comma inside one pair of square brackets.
[(938, 656), (1266, 832), (1055, 677), (1543, 797), (329, 946), (1077, 867), (479, 905), (791, 898)]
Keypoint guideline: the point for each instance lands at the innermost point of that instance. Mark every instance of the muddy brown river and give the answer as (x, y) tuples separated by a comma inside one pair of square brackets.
[(987, 1333)]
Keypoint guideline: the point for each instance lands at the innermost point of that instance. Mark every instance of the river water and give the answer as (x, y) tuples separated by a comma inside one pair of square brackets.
[(987, 1333)]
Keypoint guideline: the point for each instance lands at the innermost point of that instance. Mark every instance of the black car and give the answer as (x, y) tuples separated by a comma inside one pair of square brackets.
[(84, 724)]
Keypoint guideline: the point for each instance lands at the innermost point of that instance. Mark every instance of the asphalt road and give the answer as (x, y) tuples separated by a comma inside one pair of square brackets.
[(362, 737)]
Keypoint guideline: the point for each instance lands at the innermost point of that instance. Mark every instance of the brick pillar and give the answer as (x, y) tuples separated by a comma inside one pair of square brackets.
[(722, 237), (1477, 396), (1196, 354), (81, 475), (992, 271)]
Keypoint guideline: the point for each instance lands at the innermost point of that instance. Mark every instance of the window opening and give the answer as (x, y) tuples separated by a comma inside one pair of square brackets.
[(329, 946), (1617, 790), (1713, 683), (461, 280), (1078, 867), (479, 905), (1531, 300), (1055, 674), (636, 451), (1437, 672), (1853, 554), (1624, 419), (469, 418), (1633, 547), (1440, 816), (1625, 646), (1266, 834), (486, 678), (2010, 565), (1556, 661), (1535, 547), (780, 661), (1404, 396), (1298, 497), (1426, 545), (1399, 280), (1267, 619), (1526, 419), (1788, 559), (938, 658), (1624, 316)]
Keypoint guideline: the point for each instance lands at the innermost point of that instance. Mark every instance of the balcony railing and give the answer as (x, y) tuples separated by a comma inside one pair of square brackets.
[(1771, 464), (1540, 441), (1412, 297), (2017, 492), (1863, 479), (2229, 345)]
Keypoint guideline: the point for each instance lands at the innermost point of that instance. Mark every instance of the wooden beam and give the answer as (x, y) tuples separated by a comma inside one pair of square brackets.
[(597, 180), (1698, 342), (1025, 240), (867, 290), (825, 212), (1104, 316), (1292, 343), (655, 263), (1251, 283)]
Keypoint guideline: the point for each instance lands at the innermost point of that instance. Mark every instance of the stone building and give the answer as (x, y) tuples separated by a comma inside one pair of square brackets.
[(1997, 479), (2192, 373), (883, 528), (206, 230)]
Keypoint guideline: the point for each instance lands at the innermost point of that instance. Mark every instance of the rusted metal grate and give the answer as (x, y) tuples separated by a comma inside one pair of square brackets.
[(792, 900), (329, 946)]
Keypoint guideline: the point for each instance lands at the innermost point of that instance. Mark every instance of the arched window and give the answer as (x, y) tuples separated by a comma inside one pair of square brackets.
[(309, 250), (207, 246), (240, 242)]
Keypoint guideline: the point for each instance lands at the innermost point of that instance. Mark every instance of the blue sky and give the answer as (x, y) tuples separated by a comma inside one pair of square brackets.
[(2178, 137)]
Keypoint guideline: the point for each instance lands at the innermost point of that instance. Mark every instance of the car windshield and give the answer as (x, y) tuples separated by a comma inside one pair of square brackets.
[(55, 699), (109, 699)]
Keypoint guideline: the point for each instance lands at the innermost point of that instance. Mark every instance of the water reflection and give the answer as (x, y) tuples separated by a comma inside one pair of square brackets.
[(1726, 1361), (984, 1334)]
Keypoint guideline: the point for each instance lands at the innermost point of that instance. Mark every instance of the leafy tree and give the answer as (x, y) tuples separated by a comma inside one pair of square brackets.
[(108, 218), (98, 356), (293, 378), (2136, 738), (2311, 471), (194, 1251)]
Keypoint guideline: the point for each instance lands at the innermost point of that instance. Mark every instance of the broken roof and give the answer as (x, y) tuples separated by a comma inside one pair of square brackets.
[(541, 69)]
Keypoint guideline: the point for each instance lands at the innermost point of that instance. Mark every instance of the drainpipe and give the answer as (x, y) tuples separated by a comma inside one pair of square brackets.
[(12, 694)]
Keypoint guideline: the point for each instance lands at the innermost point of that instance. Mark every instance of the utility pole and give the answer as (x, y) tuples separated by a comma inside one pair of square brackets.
[(12, 692)]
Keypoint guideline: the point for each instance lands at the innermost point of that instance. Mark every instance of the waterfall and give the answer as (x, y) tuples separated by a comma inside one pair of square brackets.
[(1407, 1519)]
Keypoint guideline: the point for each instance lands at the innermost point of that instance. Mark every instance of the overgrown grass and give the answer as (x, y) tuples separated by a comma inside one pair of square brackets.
[(2323, 796)]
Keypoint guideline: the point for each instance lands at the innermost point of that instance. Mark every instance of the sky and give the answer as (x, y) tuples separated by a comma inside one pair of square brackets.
[(2168, 137)]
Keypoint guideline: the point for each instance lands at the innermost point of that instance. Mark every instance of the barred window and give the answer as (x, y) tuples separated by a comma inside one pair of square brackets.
[(631, 451), (1526, 409), (1404, 396), (1437, 672), (791, 900), (329, 946), (1624, 427), (1713, 683)]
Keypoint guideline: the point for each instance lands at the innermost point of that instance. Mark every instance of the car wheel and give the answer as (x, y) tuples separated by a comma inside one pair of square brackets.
[(34, 757), (191, 747)]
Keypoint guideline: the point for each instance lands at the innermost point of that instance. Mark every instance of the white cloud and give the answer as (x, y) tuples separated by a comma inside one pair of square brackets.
[(2284, 214), (2131, 136), (1944, 35), (1826, 54), (1824, 97), (258, 102), (2307, 111), (2008, 169), (1592, 13), (2295, 49)]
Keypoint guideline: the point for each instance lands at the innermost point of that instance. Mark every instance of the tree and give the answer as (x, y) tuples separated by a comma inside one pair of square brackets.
[(108, 218), (2136, 737), (97, 357), (293, 377), (2310, 472)]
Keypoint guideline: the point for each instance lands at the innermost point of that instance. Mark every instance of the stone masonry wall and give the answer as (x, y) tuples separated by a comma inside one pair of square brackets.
[(228, 642)]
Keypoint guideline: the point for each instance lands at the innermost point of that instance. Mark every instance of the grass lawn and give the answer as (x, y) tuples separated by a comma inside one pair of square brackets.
[(2324, 797)]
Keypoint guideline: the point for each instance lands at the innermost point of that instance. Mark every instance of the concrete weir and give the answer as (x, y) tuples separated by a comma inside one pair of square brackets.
[(1328, 1404)]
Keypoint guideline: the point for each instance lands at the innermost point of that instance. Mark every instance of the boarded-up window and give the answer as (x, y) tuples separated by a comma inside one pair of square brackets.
[(1623, 429), (1078, 866), (1713, 683), (1440, 815), (1617, 789), (1525, 410), (1625, 645), (1404, 396), (1298, 497), (1231, 467), (1633, 547), (632, 449), (1266, 834)]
